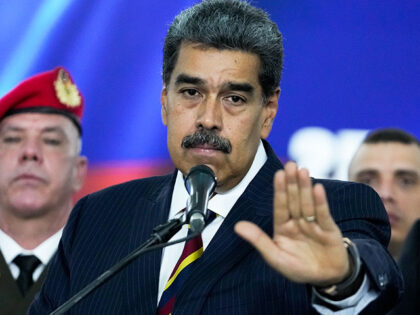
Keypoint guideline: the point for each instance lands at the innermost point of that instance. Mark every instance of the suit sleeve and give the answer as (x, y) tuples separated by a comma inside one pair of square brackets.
[(56, 288), (361, 216)]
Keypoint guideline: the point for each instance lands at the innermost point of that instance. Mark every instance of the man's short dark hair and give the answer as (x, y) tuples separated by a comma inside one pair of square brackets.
[(390, 135), (228, 24)]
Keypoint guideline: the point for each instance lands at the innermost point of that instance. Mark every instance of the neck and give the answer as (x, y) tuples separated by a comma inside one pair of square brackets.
[(394, 249), (30, 233)]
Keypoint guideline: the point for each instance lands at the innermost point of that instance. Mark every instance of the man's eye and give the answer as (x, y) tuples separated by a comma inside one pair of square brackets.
[(407, 182), (235, 99), (53, 142), (11, 139), (190, 92), (365, 180)]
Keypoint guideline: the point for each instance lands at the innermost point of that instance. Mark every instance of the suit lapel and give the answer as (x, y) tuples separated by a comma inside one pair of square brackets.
[(143, 273)]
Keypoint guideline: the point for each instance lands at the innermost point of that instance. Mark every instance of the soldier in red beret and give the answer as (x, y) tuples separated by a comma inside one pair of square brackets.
[(40, 170)]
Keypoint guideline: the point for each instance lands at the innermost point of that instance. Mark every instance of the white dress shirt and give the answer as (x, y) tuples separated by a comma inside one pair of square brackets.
[(221, 204), (10, 249)]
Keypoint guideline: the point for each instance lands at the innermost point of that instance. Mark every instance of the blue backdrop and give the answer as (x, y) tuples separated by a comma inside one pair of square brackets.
[(349, 65)]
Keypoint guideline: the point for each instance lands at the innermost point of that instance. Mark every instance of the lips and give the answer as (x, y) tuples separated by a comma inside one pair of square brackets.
[(205, 146), (28, 177), (202, 150), (393, 218)]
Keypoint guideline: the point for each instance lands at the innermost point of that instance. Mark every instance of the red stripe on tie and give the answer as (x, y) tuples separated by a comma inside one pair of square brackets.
[(167, 299)]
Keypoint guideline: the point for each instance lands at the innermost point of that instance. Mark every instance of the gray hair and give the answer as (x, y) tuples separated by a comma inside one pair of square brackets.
[(232, 25)]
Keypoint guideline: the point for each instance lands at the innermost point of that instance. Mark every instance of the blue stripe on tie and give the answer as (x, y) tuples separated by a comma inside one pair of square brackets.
[(182, 277), (176, 285)]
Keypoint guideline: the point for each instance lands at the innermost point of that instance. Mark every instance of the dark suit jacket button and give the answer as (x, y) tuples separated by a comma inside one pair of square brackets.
[(383, 280)]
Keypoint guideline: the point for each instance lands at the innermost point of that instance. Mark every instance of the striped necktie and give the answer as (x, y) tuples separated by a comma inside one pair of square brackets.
[(193, 250)]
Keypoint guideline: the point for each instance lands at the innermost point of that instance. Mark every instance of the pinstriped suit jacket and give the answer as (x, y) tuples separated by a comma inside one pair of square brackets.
[(230, 278)]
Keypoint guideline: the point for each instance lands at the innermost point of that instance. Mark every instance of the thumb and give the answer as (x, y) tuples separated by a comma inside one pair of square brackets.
[(259, 239)]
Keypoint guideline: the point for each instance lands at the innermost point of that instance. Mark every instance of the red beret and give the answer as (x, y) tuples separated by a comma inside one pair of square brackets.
[(53, 91)]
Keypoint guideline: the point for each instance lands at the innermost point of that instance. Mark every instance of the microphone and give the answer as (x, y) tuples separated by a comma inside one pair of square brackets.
[(200, 183)]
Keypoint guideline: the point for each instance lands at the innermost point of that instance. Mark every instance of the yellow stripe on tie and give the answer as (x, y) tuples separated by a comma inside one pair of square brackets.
[(188, 260)]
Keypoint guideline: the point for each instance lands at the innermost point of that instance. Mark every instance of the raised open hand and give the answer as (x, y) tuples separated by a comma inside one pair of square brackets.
[(307, 246)]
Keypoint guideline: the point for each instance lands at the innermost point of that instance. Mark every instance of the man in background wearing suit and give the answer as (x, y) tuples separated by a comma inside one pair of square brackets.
[(409, 263), (40, 170), (388, 160), (221, 73)]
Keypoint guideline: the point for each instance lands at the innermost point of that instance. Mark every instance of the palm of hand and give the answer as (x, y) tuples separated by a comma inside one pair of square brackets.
[(307, 245)]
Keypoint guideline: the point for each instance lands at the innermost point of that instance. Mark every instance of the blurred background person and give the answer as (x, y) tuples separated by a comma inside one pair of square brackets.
[(40, 170), (388, 160)]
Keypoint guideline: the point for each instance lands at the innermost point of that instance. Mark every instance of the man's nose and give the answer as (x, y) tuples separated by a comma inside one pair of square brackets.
[(31, 151), (209, 115), (386, 192)]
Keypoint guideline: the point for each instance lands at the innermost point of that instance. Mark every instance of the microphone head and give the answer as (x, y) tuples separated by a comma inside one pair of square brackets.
[(200, 183), (200, 175)]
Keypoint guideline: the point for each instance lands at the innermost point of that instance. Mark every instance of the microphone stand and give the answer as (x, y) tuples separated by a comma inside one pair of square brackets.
[(161, 234)]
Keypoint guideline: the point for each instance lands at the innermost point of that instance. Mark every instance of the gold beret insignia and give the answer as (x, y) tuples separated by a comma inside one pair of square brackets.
[(66, 91)]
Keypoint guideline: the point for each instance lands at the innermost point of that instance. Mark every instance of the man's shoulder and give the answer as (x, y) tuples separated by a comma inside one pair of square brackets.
[(118, 204), (148, 187), (346, 197), (336, 186)]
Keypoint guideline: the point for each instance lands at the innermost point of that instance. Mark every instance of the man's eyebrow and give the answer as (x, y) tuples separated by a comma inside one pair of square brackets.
[(366, 172), (185, 78), (244, 87), (11, 128), (406, 173), (233, 86), (54, 129)]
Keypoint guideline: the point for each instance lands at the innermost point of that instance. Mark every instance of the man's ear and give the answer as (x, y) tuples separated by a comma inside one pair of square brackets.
[(164, 102), (80, 173), (269, 112)]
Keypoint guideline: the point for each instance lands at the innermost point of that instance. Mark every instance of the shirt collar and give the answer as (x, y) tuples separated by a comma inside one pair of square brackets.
[(10, 249), (221, 203)]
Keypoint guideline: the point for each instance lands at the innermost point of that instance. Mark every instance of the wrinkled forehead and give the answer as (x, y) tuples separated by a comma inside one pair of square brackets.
[(212, 66), (38, 122)]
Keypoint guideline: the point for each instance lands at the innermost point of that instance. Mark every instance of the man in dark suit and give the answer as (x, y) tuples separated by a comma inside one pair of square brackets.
[(40, 170), (409, 263), (389, 161), (221, 74)]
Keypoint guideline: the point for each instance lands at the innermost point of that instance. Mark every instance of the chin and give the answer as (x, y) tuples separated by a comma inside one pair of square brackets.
[(28, 209)]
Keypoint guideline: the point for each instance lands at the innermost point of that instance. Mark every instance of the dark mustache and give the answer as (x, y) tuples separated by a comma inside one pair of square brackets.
[(205, 136)]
